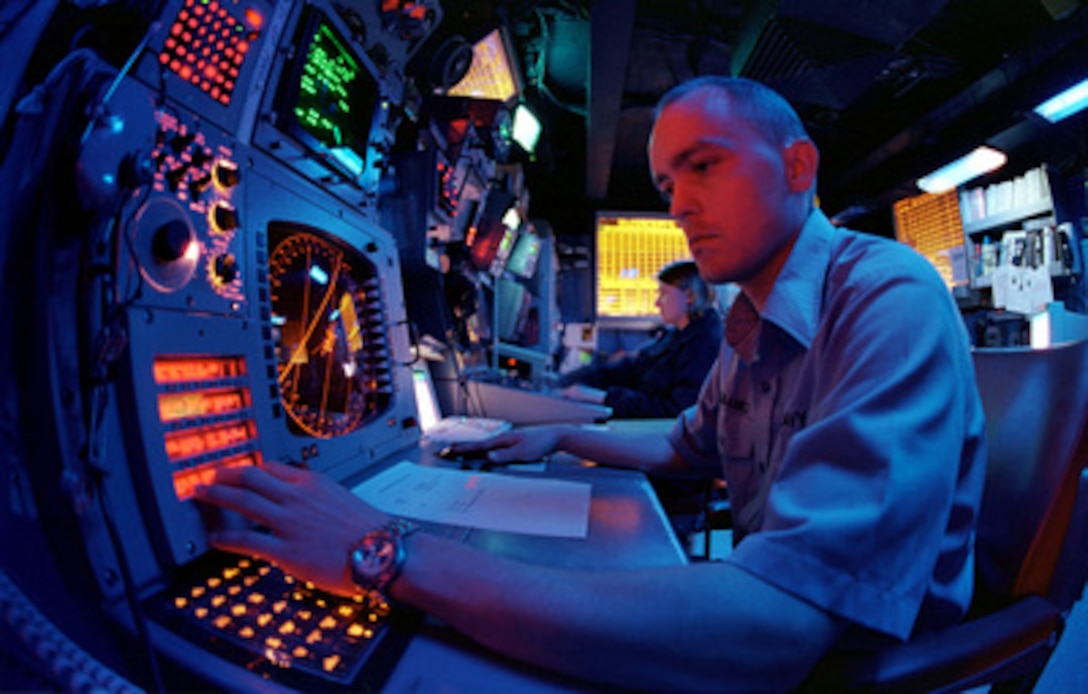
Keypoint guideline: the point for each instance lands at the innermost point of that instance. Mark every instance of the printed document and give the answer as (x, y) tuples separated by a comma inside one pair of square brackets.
[(526, 505)]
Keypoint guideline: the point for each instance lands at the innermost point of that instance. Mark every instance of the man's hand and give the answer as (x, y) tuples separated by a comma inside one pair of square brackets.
[(312, 521), (523, 444), (584, 394)]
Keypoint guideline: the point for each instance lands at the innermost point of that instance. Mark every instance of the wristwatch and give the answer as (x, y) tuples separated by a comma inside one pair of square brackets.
[(376, 558)]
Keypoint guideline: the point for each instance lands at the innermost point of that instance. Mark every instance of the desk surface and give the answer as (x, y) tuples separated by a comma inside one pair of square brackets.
[(627, 529)]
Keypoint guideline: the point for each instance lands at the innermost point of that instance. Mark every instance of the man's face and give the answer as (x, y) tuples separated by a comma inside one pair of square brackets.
[(727, 187)]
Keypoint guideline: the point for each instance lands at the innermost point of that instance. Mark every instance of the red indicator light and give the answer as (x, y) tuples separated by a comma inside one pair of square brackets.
[(254, 18), (188, 369)]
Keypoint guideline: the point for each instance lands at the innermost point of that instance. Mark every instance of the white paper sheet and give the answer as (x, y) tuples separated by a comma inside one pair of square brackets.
[(530, 506)]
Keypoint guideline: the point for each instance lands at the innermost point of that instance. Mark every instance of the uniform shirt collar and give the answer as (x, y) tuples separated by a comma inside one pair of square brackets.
[(794, 302)]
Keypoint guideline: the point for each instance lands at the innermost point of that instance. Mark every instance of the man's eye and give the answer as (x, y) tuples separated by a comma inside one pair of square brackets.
[(701, 166), (666, 194)]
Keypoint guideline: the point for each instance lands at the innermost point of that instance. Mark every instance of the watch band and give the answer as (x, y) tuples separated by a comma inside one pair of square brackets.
[(401, 527)]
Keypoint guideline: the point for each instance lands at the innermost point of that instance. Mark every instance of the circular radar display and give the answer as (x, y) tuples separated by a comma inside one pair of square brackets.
[(318, 291)]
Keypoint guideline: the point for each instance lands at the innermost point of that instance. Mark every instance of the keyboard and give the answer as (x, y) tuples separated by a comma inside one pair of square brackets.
[(269, 621), (457, 429)]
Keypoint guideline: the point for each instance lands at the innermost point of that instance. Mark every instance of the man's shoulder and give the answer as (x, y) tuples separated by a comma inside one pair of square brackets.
[(857, 256)]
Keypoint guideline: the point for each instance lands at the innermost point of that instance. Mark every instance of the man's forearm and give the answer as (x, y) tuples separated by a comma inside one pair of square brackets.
[(649, 452)]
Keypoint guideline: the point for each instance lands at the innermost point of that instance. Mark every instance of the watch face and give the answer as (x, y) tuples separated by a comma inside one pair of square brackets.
[(376, 554), (375, 559)]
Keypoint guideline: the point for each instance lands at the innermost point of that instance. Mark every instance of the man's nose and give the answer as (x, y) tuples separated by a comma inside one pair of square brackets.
[(681, 206)]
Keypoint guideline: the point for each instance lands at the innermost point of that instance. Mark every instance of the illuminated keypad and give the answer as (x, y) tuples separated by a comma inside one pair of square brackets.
[(289, 623)]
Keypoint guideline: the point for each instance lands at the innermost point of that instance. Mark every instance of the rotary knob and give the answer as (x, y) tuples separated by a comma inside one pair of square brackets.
[(225, 268), (224, 217), (226, 173)]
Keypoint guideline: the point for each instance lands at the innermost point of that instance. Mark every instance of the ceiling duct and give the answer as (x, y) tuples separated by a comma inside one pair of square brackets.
[(828, 53)]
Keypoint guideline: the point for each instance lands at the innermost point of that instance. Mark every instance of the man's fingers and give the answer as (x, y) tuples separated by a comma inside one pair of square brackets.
[(265, 482), (237, 498), (281, 471), (246, 542)]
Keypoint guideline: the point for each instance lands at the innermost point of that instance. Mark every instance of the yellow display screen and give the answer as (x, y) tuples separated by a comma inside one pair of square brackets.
[(631, 249)]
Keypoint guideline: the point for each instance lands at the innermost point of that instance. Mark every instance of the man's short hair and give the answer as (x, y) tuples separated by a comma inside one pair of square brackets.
[(756, 103)]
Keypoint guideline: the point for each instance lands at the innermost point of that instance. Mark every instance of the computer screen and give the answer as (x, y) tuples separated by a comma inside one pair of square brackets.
[(333, 368), (327, 98), (493, 74), (632, 247), (492, 238), (523, 259)]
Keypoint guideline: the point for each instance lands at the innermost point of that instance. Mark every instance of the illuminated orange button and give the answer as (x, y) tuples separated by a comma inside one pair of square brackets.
[(234, 590), (314, 636), (200, 612), (248, 581), (197, 591), (238, 610), (345, 611), (256, 598), (246, 632), (222, 621), (300, 652), (180, 602), (264, 619), (215, 582), (219, 600), (288, 627), (355, 630), (305, 615), (230, 572), (330, 663), (274, 642), (279, 606), (328, 622)]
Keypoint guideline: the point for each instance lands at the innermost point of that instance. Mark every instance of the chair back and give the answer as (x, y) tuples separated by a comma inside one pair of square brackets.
[(1032, 528), (1036, 406)]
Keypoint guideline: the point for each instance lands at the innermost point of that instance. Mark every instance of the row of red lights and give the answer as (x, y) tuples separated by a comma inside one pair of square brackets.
[(206, 49)]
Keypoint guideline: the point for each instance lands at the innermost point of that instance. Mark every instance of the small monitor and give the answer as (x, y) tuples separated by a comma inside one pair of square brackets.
[(328, 97), (523, 259), (526, 129), (492, 75), (492, 239)]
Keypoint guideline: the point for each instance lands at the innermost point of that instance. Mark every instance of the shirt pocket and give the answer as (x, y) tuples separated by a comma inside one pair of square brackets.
[(736, 445)]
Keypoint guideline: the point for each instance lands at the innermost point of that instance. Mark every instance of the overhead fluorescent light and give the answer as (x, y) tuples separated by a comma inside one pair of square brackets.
[(982, 160), (1064, 104)]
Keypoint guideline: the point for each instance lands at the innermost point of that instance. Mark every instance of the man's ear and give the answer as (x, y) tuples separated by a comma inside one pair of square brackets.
[(802, 161)]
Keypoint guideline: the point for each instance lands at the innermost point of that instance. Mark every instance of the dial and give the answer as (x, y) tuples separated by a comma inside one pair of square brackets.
[(318, 291)]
